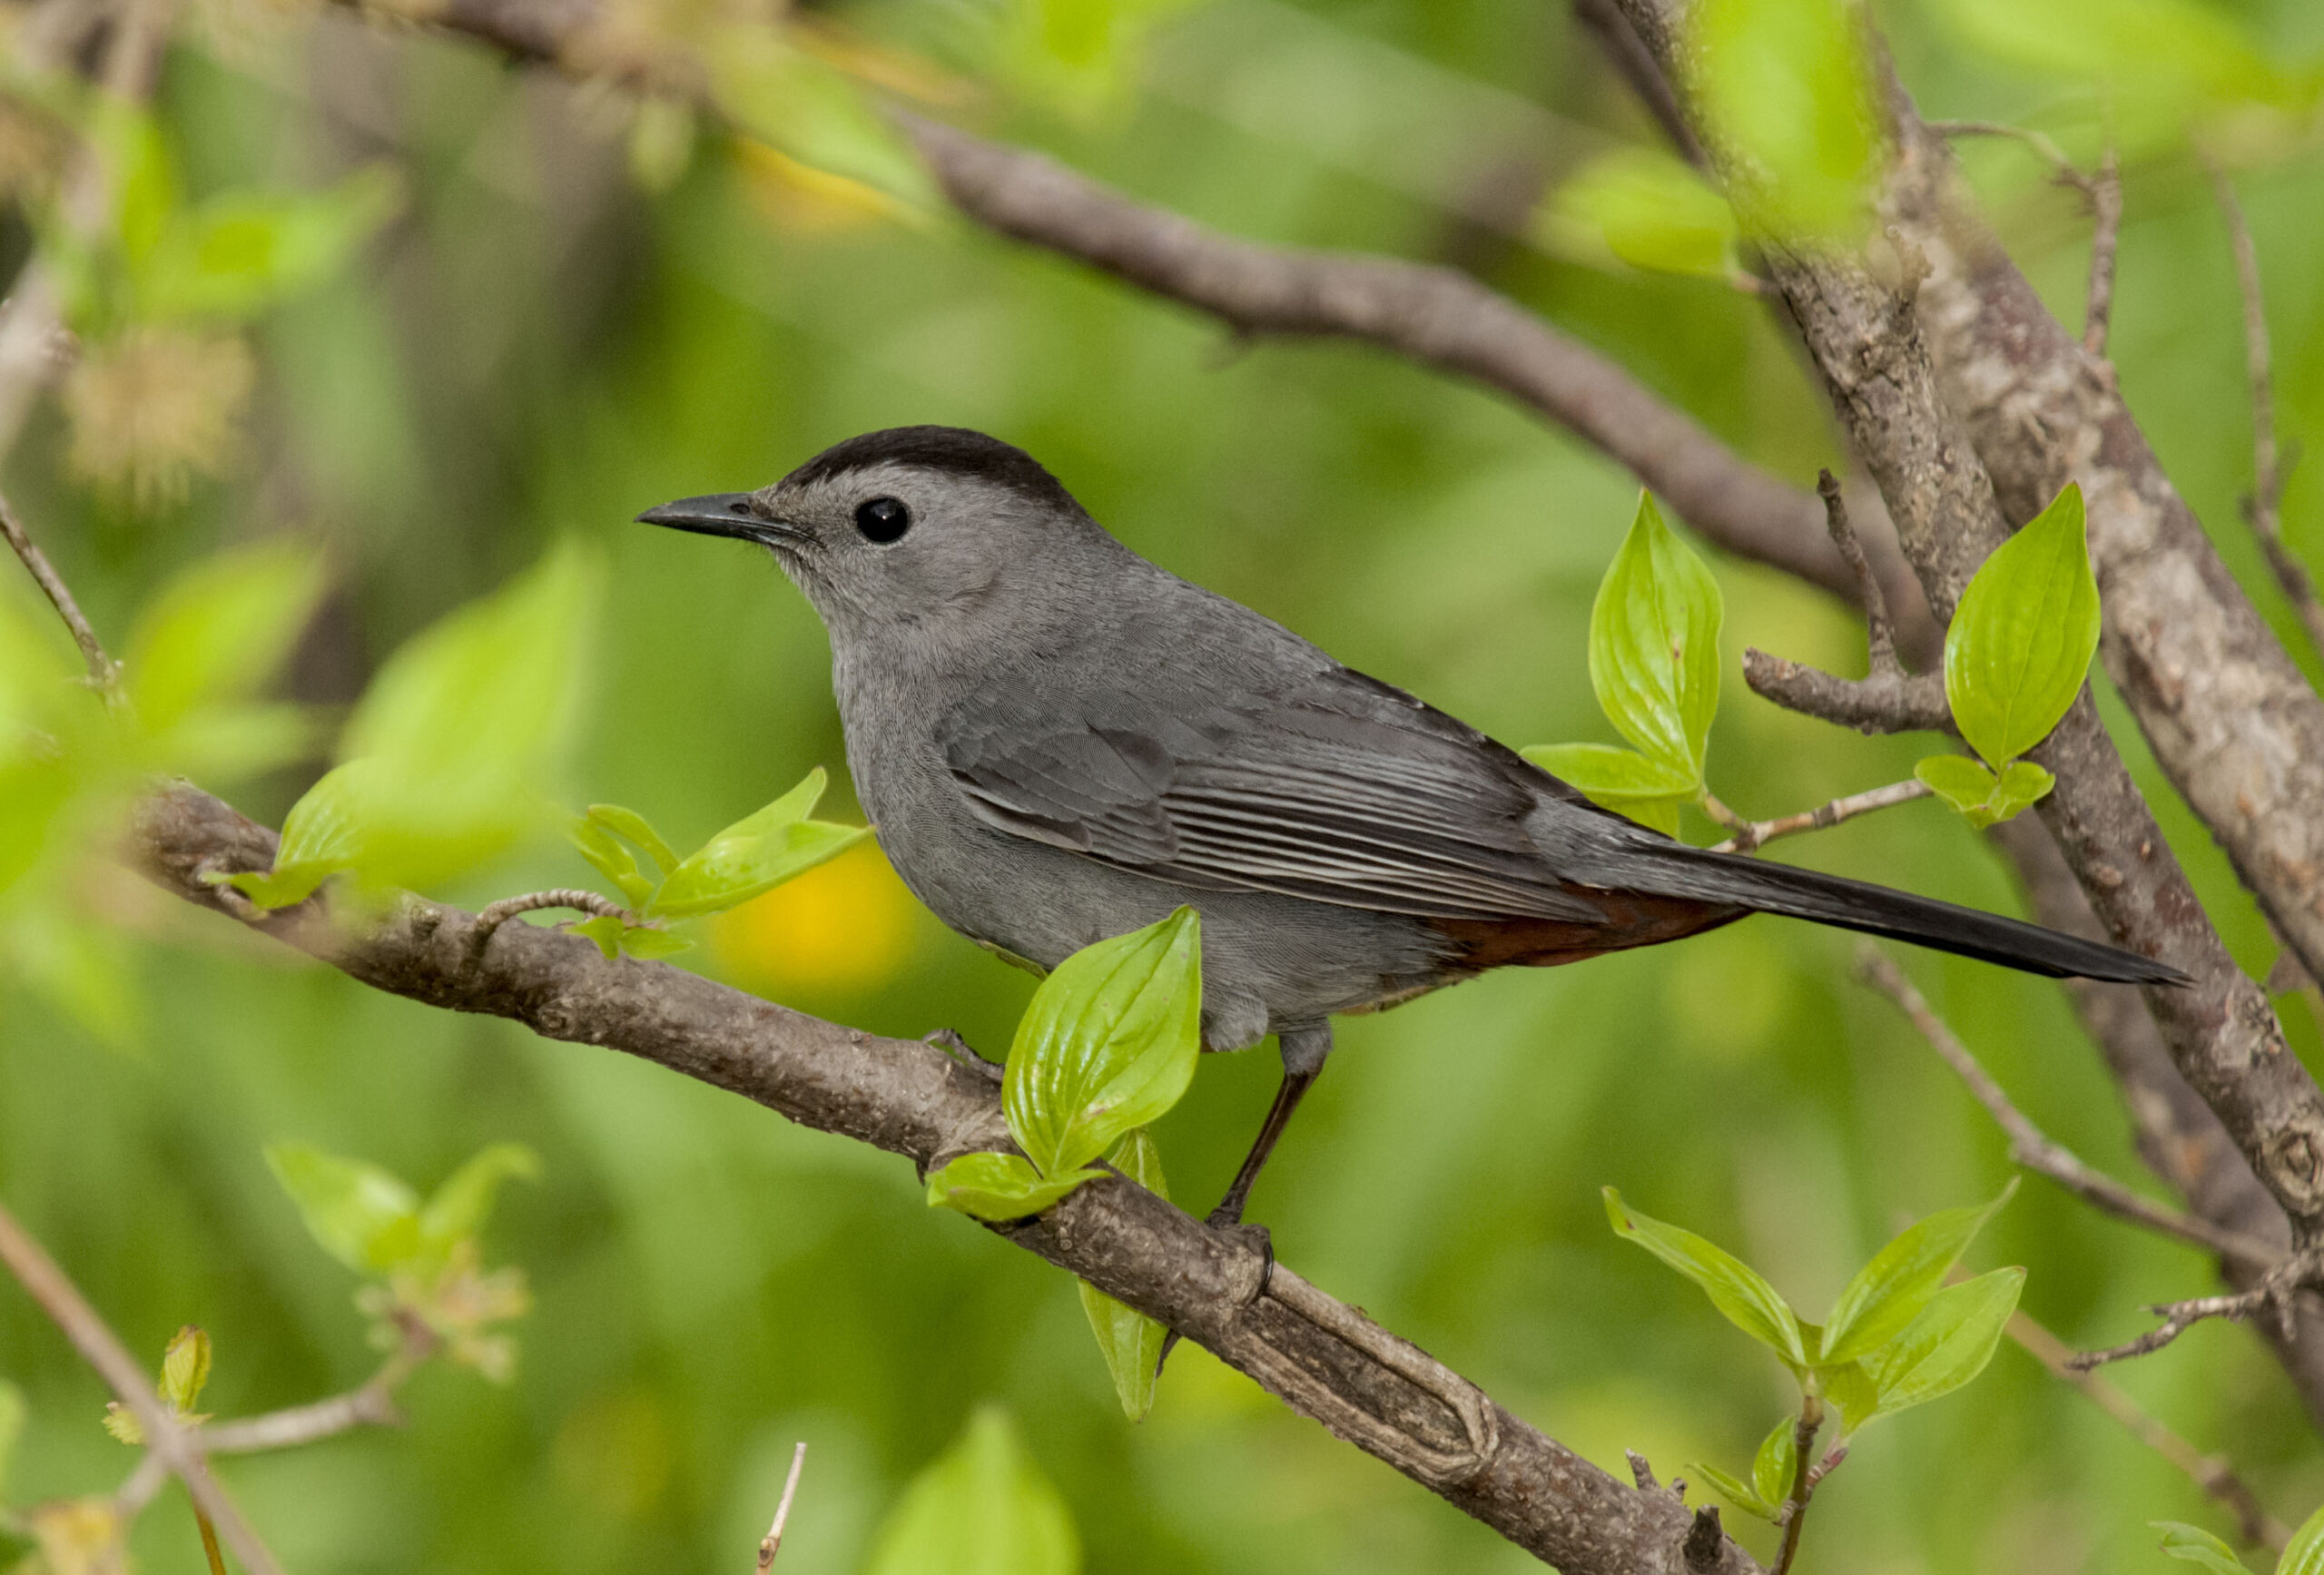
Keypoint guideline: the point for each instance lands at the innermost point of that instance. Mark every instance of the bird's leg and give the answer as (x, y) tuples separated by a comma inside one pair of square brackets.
[(1305, 1050)]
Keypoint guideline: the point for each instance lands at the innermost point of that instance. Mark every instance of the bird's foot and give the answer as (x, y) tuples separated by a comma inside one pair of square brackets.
[(950, 1041)]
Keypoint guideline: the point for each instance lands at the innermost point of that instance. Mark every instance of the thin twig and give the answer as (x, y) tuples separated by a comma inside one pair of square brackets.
[(2263, 509), (1895, 701), (498, 913), (210, 1548), (2063, 168), (2031, 1148), (1880, 634), (104, 671), (2211, 1474), (1753, 834), (2106, 201), (1803, 1481), (102, 1350), (2274, 1294), (771, 1543)]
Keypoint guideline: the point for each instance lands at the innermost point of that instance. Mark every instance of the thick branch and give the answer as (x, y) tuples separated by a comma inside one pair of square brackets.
[(2233, 722), (1863, 325), (1321, 1357)]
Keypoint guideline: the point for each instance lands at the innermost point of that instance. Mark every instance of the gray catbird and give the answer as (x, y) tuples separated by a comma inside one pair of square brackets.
[(1059, 742)]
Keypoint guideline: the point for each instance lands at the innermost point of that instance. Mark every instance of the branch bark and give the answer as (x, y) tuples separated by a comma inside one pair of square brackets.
[(1864, 330), (1322, 1358)]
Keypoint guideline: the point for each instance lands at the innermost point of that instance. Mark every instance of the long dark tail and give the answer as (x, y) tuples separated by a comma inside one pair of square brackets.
[(1676, 870)]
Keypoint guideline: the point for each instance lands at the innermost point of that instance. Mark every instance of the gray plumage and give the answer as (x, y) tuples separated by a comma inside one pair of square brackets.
[(1059, 741)]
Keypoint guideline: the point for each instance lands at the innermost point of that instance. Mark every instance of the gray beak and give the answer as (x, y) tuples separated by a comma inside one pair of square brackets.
[(722, 513)]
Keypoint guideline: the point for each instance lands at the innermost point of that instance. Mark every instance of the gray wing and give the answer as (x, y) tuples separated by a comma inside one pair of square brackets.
[(1342, 791)]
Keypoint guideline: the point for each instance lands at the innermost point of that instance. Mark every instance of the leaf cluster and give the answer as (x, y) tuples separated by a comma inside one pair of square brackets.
[(747, 860), (1899, 1335)]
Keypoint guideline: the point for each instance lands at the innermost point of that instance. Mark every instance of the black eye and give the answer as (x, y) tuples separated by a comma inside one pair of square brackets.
[(882, 519)]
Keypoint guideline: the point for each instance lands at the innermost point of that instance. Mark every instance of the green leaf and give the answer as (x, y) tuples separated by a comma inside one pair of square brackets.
[(1109, 1043), (1777, 1465), (815, 114), (1620, 780), (246, 249), (2158, 61), (614, 861), (1130, 1341), (1734, 1287), (1734, 1490), (2304, 1555), (185, 1368), (982, 1508), (448, 749), (216, 631), (1787, 86), (1646, 208), (13, 1414), (2023, 636), (647, 943), (605, 930), (1000, 1186), (1890, 1290), (1654, 646), (756, 854), (364, 1216), (1847, 1387), (637, 829), (2197, 1546), (1948, 1342), (2023, 784), (459, 1209)]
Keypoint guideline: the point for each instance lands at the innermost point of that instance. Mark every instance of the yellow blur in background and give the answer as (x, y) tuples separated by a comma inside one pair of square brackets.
[(846, 926)]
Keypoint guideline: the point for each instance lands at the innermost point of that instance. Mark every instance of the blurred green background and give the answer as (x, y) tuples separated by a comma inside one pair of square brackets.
[(536, 347)]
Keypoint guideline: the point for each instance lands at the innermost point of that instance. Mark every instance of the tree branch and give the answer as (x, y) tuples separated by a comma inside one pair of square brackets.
[(1886, 702), (104, 671), (1751, 835), (1864, 329), (2105, 241), (100, 1347), (2233, 722), (2029, 1147), (1323, 1359), (2215, 1476)]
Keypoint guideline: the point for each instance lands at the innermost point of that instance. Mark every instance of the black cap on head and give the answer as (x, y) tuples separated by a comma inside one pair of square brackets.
[(953, 450)]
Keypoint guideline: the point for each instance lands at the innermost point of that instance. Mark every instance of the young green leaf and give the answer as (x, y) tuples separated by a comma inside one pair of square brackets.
[(1647, 209), (1776, 1466), (1850, 1390), (2023, 784), (637, 829), (363, 1215), (1948, 1342), (2023, 636), (216, 632), (2304, 1554), (982, 1508), (1787, 85), (1131, 1342), (1109, 1043), (2197, 1546), (447, 749), (185, 1368), (1890, 1290), (648, 944), (13, 1413), (1734, 1287), (999, 1186), (815, 114), (1982, 798), (460, 1205), (1654, 646), (755, 855), (1734, 1490), (612, 861), (1620, 780), (245, 250), (606, 930)]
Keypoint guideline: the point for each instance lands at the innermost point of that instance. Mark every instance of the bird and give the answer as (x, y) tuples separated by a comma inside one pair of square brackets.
[(1058, 741)]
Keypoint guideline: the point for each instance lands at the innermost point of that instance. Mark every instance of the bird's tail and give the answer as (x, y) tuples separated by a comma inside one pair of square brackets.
[(1674, 870)]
